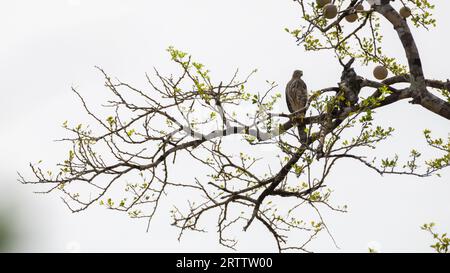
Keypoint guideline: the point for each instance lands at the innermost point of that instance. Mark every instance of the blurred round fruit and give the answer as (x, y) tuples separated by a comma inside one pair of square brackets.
[(351, 17), (329, 11), (405, 12), (380, 72)]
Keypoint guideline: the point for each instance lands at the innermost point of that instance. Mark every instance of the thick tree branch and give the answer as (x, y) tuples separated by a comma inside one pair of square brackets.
[(418, 87)]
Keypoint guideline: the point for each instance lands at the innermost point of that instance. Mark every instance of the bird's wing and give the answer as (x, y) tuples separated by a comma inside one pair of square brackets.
[(302, 93), (289, 96), (303, 84), (289, 105)]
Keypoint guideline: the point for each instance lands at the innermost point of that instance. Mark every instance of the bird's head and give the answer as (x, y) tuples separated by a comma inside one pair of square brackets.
[(297, 74)]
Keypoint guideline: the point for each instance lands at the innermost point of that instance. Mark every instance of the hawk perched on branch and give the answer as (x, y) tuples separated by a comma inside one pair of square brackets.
[(297, 98)]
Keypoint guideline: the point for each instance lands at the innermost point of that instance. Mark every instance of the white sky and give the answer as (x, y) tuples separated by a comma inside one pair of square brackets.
[(48, 46)]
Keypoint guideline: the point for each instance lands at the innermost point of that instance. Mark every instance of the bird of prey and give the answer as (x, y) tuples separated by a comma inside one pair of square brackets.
[(297, 98)]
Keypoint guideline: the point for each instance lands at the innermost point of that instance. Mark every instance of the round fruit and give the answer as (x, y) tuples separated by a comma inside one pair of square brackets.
[(321, 3), (359, 7), (405, 12), (329, 11), (351, 17), (380, 72)]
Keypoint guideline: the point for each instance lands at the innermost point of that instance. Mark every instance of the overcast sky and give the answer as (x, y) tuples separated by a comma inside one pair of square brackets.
[(50, 45)]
